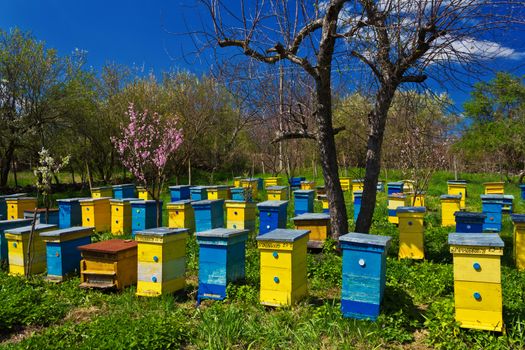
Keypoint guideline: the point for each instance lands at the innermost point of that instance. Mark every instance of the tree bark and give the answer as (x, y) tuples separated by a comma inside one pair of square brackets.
[(377, 122), (5, 164)]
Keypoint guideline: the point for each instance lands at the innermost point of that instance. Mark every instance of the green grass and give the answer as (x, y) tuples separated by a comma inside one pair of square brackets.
[(417, 312)]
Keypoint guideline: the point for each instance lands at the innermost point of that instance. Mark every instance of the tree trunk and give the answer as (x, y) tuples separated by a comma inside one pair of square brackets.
[(15, 172), (377, 121), (159, 217), (5, 164)]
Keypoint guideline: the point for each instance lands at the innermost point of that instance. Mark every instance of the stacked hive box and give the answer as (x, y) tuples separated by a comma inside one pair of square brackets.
[(477, 280), (364, 270), (63, 256), (17, 205), (277, 193), (222, 255), (52, 216), (108, 264), (181, 215), (19, 244), (458, 187), (179, 193), (319, 226), (519, 240), (395, 187), (69, 212), (272, 215), (358, 195), (218, 192), (209, 214), (295, 182), (96, 212), (395, 201), (251, 183), (143, 193), (492, 206), (272, 181), (357, 185), (508, 204), (283, 266), (124, 191), (307, 185), (3, 205), (7, 225), (411, 232), (467, 222), (240, 215), (303, 201), (161, 256), (241, 194), (450, 203), (346, 183), (144, 215), (494, 187), (324, 203), (101, 192), (121, 216), (198, 193)]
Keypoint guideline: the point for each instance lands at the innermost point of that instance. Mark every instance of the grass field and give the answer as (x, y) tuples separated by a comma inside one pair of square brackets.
[(417, 313)]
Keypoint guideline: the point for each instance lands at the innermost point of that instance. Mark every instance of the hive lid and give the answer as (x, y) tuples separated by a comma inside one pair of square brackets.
[(238, 189), (450, 196), (21, 198), (198, 188), (397, 183), (177, 187), (125, 200), (234, 201), (365, 238), (66, 231), (102, 188), (217, 187), (303, 191), (508, 196), (491, 197), (518, 218), (359, 193), (457, 182), (144, 201), (206, 202), (110, 246), (15, 195), (27, 229), (15, 222), (181, 202), (468, 214), (123, 185), (41, 210), (307, 182), (397, 196), (358, 180), (70, 200), (312, 216), (161, 231), (475, 239), (411, 209), (250, 179), (283, 235), (94, 199), (272, 203), (221, 233), (275, 188)]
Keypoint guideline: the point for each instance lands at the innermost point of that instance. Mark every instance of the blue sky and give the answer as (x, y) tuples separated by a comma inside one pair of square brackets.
[(141, 33)]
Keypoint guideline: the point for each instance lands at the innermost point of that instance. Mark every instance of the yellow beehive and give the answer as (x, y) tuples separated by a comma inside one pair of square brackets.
[(283, 266), (96, 212), (450, 203), (161, 256), (477, 280), (494, 187), (18, 246), (143, 193), (16, 206), (237, 181), (395, 201), (272, 181), (324, 203), (408, 186), (250, 183), (346, 183), (121, 216), (318, 224), (458, 187), (217, 192), (418, 201), (411, 232), (357, 185), (307, 185), (277, 193), (519, 240), (181, 215), (100, 192), (240, 215)]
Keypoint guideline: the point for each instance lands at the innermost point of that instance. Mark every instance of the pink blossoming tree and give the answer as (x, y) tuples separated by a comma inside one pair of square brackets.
[(145, 146)]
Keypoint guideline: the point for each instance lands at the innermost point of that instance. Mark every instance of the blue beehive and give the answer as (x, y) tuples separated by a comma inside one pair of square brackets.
[(241, 194), (3, 205), (295, 182), (364, 269), (303, 201), (522, 187), (6, 225), (52, 216), (63, 256), (357, 203), (468, 222), (395, 187), (209, 214), (272, 215), (260, 182), (380, 187), (222, 255), (179, 193), (492, 206), (144, 215), (508, 203), (69, 212), (198, 193), (124, 191)]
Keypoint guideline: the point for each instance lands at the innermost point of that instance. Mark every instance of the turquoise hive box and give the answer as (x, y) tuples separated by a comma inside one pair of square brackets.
[(209, 214)]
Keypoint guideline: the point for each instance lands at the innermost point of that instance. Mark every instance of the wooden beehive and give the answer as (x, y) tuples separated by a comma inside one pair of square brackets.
[(96, 212), (272, 215), (395, 201), (52, 216), (3, 205), (209, 214), (468, 222), (346, 183), (494, 187), (18, 243), (283, 266), (450, 203), (364, 271), (101, 192), (108, 264), (408, 186), (241, 194), (240, 215), (198, 193), (303, 201), (277, 193), (522, 189), (492, 207), (222, 255), (63, 256), (143, 193), (181, 215), (477, 280), (124, 191), (357, 185), (161, 260), (395, 187), (180, 192), (251, 183), (295, 182), (237, 181), (318, 224), (458, 187), (218, 192), (17, 205), (69, 212), (519, 240), (324, 203), (411, 232), (121, 216), (272, 181), (307, 185), (144, 215), (358, 195), (7, 225), (508, 204)]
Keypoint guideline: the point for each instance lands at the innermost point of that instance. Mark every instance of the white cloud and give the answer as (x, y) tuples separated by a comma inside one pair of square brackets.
[(470, 48)]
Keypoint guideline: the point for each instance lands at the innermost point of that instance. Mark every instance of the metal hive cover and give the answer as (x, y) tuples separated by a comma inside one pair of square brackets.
[(475, 239), (111, 246), (365, 238), (283, 235)]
